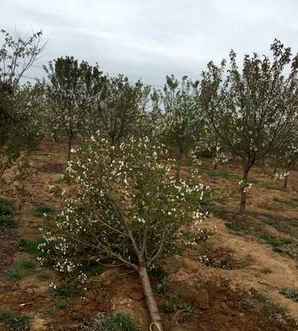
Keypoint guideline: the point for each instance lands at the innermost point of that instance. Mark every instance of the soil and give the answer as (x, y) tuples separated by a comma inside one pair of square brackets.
[(237, 289)]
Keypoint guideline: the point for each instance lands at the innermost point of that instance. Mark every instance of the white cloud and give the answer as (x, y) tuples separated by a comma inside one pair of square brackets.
[(153, 38)]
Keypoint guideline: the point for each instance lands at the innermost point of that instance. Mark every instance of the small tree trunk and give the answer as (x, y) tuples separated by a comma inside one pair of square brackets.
[(286, 182), (243, 190), (179, 158), (178, 165), (150, 300), (242, 200), (274, 172), (70, 137), (69, 146)]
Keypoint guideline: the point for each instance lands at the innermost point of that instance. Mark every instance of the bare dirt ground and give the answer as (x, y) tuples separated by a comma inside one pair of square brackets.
[(235, 286)]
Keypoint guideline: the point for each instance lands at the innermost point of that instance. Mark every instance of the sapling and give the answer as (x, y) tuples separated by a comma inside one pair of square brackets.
[(181, 125), (252, 108), (126, 207)]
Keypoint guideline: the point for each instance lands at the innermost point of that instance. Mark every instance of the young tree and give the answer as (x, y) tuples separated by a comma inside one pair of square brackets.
[(17, 55), (252, 110), (17, 125), (73, 88), (182, 120), (126, 209), (286, 160), (121, 109)]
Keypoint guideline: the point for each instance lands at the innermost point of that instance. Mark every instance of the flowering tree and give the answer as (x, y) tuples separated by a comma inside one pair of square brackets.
[(182, 121), (17, 55), (252, 110), (20, 129), (286, 160), (127, 208), (209, 145), (17, 126), (121, 109), (73, 88)]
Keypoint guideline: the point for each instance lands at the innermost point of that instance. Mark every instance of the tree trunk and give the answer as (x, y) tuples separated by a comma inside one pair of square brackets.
[(243, 192), (69, 146), (150, 300), (70, 137), (274, 172), (215, 165), (179, 157), (286, 182)]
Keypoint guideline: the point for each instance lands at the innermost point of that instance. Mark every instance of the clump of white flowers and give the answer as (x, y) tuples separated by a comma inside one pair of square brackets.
[(245, 185), (126, 206), (220, 156), (281, 175)]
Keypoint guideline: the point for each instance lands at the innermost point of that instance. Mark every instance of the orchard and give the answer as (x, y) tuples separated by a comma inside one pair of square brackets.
[(134, 193)]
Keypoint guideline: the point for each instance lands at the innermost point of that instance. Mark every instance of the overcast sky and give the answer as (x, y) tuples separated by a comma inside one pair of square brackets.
[(149, 39)]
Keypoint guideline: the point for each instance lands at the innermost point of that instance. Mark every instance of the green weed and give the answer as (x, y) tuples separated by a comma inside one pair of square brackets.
[(14, 322), (7, 213), (290, 293), (20, 270)]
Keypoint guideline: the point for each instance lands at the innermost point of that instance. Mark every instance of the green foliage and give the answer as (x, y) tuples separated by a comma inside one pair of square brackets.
[(22, 269), (161, 281), (44, 211), (93, 268), (30, 246), (276, 243), (236, 227), (120, 113), (290, 293), (181, 122), (15, 322), (7, 213), (62, 304), (65, 291), (133, 205), (175, 303), (253, 109), (18, 104), (72, 88)]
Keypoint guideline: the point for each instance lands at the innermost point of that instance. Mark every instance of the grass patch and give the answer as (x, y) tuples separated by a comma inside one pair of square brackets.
[(270, 310), (7, 213), (252, 227), (269, 185), (44, 211), (13, 321), (240, 228), (282, 224), (114, 322), (275, 242), (218, 210), (291, 203), (223, 174), (30, 246), (291, 250), (65, 292), (175, 303), (62, 304), (21, 270), (290, 293)]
